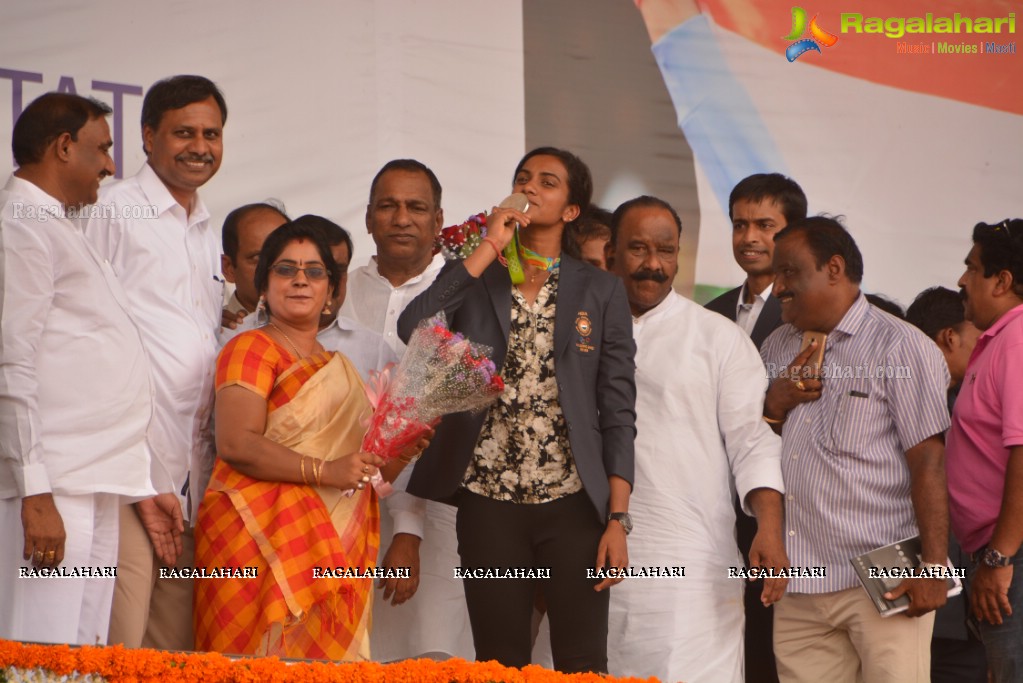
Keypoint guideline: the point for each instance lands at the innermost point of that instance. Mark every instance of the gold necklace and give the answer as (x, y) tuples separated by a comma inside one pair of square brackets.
[(535, 272), (298, 356)]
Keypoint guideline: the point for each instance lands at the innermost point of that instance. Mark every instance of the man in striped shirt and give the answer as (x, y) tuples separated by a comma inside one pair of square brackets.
[(862, 459)]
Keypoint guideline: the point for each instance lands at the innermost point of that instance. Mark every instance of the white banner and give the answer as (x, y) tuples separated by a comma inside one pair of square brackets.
[(319, 94)]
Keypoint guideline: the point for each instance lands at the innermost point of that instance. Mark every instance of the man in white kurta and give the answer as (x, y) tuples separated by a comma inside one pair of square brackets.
[(75, 395), (700, 439)]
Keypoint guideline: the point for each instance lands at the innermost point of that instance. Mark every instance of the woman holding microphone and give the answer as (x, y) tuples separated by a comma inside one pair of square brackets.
[(542, 479)]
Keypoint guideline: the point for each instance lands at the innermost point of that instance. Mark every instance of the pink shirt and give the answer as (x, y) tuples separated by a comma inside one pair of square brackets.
[(986, 424)]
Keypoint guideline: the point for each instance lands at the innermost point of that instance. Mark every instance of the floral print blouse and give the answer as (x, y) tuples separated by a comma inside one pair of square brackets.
[(523, 454)]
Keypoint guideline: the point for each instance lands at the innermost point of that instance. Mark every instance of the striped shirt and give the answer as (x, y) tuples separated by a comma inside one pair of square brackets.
[(843, 456)]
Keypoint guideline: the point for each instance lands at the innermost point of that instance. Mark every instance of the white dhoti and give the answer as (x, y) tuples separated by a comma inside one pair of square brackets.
[(56, 609), (678, 628), (435, 621)]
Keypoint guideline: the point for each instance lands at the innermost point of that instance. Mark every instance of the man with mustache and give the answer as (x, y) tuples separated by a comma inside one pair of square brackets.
[(160, 243), (74, 383), (985, 444), (404, 217), (863, 461), (700, 439), (759, 206)]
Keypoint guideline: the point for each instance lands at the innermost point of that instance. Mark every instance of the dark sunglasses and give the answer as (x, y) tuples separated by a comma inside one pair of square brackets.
[(1008, 227), (290, 271)]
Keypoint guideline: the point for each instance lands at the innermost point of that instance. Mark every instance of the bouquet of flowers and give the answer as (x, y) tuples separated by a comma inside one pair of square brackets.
[(441, 372)]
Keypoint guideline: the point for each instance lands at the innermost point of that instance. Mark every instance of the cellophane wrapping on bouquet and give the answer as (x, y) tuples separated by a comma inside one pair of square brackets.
[(441, 372)]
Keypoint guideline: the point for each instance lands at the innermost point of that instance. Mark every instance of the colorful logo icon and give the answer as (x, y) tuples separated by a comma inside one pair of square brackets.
[(818, 36)]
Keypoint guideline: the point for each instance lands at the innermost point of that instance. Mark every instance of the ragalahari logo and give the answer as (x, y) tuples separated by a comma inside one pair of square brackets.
[(818, 36)]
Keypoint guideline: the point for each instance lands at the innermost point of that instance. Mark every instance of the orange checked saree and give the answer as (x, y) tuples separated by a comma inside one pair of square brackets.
[(315, 407)]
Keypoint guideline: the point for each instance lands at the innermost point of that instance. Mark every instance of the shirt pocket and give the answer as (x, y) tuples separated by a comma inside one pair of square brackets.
[(859, 420)]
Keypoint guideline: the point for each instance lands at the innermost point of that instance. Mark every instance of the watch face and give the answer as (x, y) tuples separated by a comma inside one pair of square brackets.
[(993, 558), (625, 519)]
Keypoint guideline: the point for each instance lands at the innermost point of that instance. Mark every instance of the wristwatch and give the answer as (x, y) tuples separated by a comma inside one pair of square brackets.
[(994, 559), (623, 518)]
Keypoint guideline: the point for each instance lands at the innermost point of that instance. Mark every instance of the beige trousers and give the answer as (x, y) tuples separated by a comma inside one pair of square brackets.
[(840, 638), (149, 611)]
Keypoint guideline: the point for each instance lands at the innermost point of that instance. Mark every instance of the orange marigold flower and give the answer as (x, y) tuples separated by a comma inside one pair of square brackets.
[(118, 664)]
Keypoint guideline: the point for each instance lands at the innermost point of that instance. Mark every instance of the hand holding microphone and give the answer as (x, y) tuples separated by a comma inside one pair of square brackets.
[(506, 217), (501, 243)]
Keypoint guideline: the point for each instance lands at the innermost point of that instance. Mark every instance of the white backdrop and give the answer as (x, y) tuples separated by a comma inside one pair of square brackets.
[(319, 94)]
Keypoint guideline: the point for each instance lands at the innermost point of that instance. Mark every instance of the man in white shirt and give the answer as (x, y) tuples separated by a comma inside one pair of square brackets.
[(700, 439), (404, 217), (168, 262), (75, 393)]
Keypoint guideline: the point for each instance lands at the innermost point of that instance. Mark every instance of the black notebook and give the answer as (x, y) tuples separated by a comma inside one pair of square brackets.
[(884, 568)]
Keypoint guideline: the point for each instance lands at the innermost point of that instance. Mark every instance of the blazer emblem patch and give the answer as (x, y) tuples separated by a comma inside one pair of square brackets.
[(584, 327)]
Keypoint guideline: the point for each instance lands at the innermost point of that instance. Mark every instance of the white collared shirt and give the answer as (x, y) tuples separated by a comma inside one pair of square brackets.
[(746, 315), (75, 391), (708, 407), (169, 267), (364, 347), (373, 302)]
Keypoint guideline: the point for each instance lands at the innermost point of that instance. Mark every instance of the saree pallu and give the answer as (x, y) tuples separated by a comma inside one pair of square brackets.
[(284, 531)]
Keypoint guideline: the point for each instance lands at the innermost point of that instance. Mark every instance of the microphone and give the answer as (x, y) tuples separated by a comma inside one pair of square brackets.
[(516, 201)]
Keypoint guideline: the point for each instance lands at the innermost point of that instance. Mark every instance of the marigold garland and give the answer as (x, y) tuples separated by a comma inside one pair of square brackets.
[(118, 664)]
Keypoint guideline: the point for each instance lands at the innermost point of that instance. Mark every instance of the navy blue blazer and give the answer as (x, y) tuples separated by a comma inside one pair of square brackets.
[(768, 322), (594, 361)]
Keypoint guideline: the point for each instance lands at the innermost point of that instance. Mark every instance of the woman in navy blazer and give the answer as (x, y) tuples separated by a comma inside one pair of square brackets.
[(537, 478)]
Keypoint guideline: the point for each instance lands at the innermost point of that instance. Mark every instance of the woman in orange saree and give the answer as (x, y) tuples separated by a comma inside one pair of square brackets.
[(290, 494)]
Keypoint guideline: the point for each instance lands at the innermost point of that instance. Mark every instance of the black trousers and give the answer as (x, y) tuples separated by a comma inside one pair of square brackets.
[(561, 535), (759, 648)]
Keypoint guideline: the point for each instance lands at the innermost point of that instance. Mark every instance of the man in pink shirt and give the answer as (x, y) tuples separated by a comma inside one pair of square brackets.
[(985, 444)]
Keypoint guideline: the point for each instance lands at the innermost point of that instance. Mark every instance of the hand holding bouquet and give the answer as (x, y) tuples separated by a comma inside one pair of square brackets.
[(441, 372)]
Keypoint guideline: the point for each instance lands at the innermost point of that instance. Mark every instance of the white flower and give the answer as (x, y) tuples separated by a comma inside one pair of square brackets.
[(509, 478)]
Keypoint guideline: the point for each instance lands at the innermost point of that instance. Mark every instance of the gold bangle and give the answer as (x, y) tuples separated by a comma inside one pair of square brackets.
[(317, 470), (772, 421), (301, 460)]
